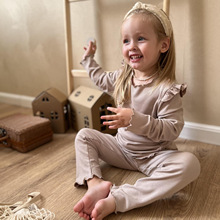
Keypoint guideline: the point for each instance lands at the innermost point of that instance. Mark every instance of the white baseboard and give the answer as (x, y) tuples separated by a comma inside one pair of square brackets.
[(201, 132), (13, 99), (192, 131)]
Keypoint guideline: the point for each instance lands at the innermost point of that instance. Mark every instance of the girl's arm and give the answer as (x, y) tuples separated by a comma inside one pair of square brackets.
[(104, 80), (169, 121), (166, 127)]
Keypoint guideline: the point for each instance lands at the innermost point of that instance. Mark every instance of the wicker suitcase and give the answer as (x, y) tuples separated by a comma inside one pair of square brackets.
[(24, 132)]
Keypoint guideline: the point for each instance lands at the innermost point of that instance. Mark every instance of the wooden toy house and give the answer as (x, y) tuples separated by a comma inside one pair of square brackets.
[(52, 104), (87, 106)]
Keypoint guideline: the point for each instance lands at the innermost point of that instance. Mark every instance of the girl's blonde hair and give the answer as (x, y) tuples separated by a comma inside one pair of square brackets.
[(165, 65)]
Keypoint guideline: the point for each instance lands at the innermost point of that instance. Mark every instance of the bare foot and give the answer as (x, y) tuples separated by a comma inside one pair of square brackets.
[(103, 208), (97, 189)]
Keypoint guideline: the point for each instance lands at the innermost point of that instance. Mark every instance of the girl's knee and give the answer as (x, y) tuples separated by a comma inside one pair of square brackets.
[(82, 133), (191, 166), (88, 137), (86, 133), (81, 136)]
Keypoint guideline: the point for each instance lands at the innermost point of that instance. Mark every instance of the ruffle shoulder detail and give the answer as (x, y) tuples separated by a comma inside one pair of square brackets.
[(174, 90)]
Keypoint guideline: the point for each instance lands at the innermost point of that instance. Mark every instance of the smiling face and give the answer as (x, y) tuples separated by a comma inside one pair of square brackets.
[(141, 46)]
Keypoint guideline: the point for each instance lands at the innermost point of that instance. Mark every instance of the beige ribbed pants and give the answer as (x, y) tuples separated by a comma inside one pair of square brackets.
[(166, 172)]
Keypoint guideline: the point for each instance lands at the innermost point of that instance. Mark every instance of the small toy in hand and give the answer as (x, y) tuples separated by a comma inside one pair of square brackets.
[(90, 48), (91, 39)]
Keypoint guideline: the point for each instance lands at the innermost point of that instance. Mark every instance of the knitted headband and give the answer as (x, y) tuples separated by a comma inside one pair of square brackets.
[(159, 13)]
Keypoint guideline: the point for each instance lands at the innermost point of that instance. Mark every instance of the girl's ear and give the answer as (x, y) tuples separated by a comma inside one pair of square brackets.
[(165, 45)]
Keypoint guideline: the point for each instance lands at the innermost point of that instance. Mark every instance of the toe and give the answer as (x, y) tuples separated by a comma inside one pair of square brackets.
[(78, 207)]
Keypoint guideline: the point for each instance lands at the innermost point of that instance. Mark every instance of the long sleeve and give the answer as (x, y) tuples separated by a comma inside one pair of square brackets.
[(104, 80), (168, 123)]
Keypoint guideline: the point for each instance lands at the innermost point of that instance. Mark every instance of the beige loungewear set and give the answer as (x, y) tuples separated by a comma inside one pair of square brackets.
[(146, 145)]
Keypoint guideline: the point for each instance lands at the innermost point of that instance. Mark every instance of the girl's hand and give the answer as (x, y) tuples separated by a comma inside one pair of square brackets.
[(120, 119), (90, 50)]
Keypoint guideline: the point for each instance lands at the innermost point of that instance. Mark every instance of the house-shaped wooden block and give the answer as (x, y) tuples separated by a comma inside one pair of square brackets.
[(87, 106), (52, 104)]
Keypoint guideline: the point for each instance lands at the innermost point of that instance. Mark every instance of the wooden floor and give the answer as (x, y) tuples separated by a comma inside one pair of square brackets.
[(50, 169)]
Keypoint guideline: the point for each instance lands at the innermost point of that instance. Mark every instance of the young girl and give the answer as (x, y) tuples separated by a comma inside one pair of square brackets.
[(149, 117)]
